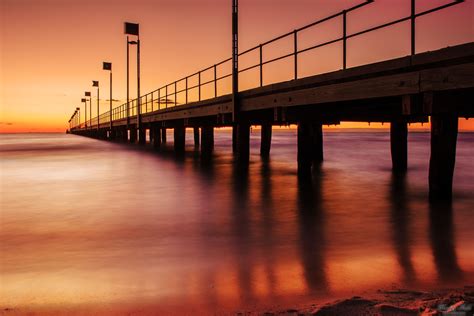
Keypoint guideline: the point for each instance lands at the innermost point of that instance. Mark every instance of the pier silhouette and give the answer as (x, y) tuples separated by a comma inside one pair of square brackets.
[(435, 86)]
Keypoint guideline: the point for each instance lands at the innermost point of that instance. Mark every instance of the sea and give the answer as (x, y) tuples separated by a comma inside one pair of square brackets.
[(96, 227)]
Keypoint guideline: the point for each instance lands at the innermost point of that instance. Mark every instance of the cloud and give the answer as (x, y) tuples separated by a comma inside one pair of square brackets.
[(164, 101), (6, 123)]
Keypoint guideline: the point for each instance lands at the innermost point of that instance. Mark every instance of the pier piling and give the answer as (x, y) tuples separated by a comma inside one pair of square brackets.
[(163, 135), (179, 139), (242, 143), (196, 137), (398, 145), (133, 135), (265, 140), (310, 146), (444, 132), (207, 141), (156, 137)]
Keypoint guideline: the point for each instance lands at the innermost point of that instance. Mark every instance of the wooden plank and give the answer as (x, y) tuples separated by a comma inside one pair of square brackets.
[(189, 113), (447, 78), (388, 86)]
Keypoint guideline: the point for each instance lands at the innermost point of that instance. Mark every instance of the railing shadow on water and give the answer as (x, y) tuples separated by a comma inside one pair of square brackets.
[(189, 89)]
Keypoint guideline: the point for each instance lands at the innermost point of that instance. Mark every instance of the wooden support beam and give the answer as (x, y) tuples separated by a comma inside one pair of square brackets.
[(398, 145), (179, 139), (207, 142), (265, 140), (444, 132)]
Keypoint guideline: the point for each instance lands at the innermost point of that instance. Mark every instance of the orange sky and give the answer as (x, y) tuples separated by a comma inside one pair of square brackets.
[(51, 50)]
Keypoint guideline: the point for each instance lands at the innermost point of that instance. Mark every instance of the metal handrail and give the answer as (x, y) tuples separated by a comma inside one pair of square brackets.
[(156, 96)]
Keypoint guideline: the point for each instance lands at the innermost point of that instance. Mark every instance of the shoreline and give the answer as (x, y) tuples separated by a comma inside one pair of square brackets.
[(455, 301)]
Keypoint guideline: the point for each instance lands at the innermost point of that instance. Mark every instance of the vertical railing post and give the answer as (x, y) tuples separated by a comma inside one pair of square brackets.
[(186, 89), (199, 85), (166, 97), (152, 101), (260, 48), (159, 98), (110, 103), (344, 39), (146, 103), (412, 20), (175, 93), (215, 81), (295, 36)]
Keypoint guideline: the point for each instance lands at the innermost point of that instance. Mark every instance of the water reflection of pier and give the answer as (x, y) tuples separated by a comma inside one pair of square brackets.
[(254, 267)]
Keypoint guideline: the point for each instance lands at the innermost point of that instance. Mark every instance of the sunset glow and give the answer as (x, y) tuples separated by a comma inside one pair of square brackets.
[(52, 50)]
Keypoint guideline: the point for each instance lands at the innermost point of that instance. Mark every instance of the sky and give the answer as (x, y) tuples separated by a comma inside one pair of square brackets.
[(51, 50)]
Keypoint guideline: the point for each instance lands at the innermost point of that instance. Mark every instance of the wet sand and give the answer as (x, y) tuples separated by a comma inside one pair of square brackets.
[(392, 302), (383, 302)]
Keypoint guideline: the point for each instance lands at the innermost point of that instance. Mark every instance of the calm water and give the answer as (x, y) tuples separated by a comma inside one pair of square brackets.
[(91, 225)]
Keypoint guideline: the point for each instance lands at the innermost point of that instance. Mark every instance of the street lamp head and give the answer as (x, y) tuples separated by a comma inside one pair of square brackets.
[(83, 100), (131, 28), (78, 109), (95, 83), (107, 66), (87, 94)]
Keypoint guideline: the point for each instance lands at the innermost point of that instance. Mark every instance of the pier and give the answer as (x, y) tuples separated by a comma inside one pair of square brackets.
[(435, 86)]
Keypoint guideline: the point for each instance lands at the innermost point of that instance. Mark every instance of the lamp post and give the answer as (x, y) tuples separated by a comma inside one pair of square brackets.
[(96, 84), (108, 66), (84, 100), (78, 109), (133, 29), (88, 94), (235, 59)]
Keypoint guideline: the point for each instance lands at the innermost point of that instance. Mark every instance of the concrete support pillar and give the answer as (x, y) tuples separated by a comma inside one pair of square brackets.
[(207, 142), (179, 139), (163, 135), (142, 136), (156, 137), (133, 135), (310, 146), (266, 140), (242, 143), (196, 137), (398, 145), (444, 132)]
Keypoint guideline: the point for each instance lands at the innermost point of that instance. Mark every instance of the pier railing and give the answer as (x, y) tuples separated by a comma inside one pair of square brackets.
[(189, 89)]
